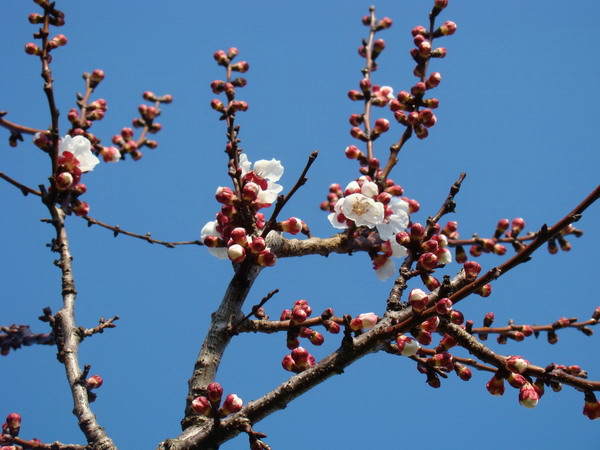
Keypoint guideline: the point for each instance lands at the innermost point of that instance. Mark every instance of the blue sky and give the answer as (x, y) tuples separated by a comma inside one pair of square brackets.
[(518, 107)]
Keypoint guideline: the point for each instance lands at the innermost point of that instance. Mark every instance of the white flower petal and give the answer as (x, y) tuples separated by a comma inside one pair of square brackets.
[(270, 195), (270, 170), (210, 230), (369, 189), (81, 149), (244, 164), (363, 210), (398, 251), (387, 270)]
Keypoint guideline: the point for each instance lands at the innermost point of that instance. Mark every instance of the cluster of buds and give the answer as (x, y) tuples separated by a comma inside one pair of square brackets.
[(363, 204), (297, 316), (228, 235), (298, 360), (412, 109), (210, 406), (12, 426), (125, 142), (529, 392), (228, 87), (74, 158), (55, 18)]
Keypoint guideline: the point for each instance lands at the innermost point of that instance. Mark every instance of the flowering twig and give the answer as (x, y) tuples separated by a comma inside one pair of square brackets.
[(483, 353), (146, 237)]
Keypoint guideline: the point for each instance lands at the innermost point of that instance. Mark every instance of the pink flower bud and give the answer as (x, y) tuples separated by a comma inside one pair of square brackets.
[(97, 76), (236, 253), (443, 306), (257, 245), (316, 338), (221, 57), (456, 317), (288, 363), (516, 364), (299, 315), (447, 29), (214, 392), (495, 386), (81, 208), (266, 259), (440, 4), (418, 300), (239, 236), (231, 405), (382, 125), (463, 372), (383, 24), (13, 424), (418, 89), (430, 324), (217, 105), (250, 192), (201, 406), (32, 49), (358, 133), (428, 261), (472, 269), (434, 80), (518, 225), (407, 346), (355, 95), (446, 343), (591, 408), (94, 382), (241, 67), (64, 181), (363, 321), (423, 337), (485, 291), (528, 396), (293, 225), (420, 131), (332, 327)]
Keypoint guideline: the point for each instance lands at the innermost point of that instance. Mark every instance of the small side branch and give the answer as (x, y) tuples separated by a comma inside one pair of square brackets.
[(145, 237), (281, 201), (24, 189)]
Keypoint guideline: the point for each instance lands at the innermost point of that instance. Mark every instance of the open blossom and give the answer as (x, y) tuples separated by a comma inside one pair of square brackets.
[(264, 174), (81, 148), (363, 210)]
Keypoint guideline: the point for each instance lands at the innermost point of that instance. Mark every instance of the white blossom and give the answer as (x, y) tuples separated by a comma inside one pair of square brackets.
[(270, 171), (81, 148), (396, 222), (210, 229), (363, 210)]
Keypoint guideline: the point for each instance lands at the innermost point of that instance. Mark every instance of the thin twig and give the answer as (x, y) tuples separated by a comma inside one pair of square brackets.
[(281, 201), (146, 237), (24, 189)]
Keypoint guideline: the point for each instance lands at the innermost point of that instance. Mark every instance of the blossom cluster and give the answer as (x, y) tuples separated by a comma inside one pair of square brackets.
[(210, 406), (75, 158), (228, 235), (362, 204)]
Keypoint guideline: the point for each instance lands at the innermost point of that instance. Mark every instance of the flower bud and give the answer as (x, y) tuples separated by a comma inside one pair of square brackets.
[(591, 408), (446, 29), (516, 364), (201, 406), (231, 405), (439, 52), (463, 372), (94, 382), (64, 181), (80, 208), (443, 306), (485, 291), (13, 424), (241, 67), (528, 396), (428, 261), (293, 225), (495, 386), (472, 269), (456, 317), (430, 324), (383, 24), (363, 321), (236, 253), (32, 49), (434, 80), (214, 393), (418, 300), (407, 346)]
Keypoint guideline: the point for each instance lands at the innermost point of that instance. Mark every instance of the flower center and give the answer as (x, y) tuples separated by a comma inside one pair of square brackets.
[(360, 207)]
